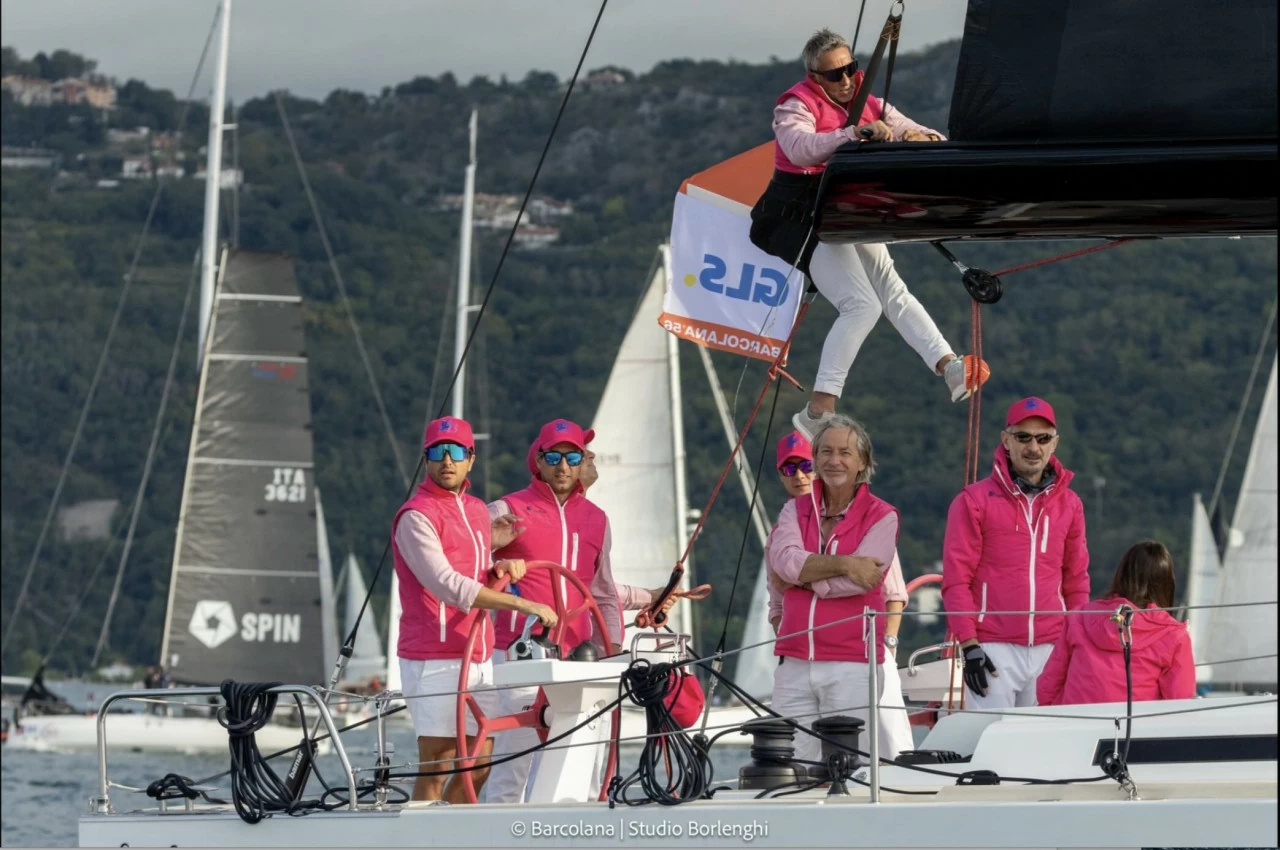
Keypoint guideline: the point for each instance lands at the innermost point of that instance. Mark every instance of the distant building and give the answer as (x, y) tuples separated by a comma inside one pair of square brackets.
[(29, 158), (604, 78), (549, 208), (536, 236), (136, 168), (89, 520), (28, 91), (76, 90), (138, 136), (228, 178), (105, 183), (174, 171)]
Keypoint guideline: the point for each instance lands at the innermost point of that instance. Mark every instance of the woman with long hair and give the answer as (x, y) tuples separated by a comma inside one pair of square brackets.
[(1087, 664)]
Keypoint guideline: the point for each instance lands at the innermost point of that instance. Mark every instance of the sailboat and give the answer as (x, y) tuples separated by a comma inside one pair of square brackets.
[(250, 591), (368, 658), (249, 596), (1248, 573), (640, 453)]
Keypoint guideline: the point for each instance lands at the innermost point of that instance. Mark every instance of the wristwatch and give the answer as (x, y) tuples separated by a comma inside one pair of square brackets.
[(891, 641)]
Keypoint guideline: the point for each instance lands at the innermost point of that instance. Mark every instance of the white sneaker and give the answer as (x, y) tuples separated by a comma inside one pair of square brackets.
[(806, 424), (954, 374)]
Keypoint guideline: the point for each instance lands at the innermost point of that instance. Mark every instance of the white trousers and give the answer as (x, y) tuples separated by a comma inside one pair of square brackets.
[(861, 282), (895, 726), (508, 781), (811, 690), (1019, 667)]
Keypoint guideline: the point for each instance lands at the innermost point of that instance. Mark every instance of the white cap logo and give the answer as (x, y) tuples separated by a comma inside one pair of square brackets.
[(212, 622)]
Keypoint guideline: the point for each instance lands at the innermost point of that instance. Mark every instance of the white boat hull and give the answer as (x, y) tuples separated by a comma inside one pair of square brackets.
[(139, 732)]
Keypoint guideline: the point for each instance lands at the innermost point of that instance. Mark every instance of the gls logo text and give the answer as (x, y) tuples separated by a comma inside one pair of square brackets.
[(762, 286)]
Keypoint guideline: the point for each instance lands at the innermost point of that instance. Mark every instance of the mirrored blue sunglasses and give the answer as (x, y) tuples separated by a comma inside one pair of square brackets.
[(456, 453), (553, 458)]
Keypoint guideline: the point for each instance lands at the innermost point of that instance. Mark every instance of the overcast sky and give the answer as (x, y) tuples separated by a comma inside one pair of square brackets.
[(314, 46)]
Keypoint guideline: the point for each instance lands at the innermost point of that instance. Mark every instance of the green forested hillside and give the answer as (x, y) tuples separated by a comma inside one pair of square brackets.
[(1144, 350)]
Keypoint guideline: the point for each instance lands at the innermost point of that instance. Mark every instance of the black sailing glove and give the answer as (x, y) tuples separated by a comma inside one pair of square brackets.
[(976, 667)]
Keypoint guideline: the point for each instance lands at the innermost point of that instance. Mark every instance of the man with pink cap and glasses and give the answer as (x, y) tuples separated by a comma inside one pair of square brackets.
[(1015, 542), (552, 521), (795, 470), (441, 546)]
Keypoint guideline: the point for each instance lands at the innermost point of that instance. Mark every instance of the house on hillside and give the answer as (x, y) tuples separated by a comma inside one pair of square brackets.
[(228, 178), (89, 520), (536, 236), (136, 168), (28, 91), (77, 90), (29, 158)]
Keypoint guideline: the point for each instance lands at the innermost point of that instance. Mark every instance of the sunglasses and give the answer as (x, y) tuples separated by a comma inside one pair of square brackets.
[(790, 469), (1041, 439), (455, 452), (553, 458), (836, 74)]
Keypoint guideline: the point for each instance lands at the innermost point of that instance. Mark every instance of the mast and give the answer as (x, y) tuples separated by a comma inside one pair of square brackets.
[(464, 279), (677, 446), (213, 179)]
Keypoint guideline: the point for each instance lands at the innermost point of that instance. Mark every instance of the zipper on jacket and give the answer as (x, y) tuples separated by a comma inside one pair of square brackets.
[(442, 622), (982, 612), (813, 608), (479, 543), (1044, 540), (564, 549), (1028, 507)]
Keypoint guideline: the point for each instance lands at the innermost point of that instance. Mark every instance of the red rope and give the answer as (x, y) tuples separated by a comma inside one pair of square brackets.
[(973, 377), (774, 371), (1092, 249)]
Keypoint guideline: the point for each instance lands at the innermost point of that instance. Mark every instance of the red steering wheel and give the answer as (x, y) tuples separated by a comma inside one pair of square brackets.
[(533, 716)]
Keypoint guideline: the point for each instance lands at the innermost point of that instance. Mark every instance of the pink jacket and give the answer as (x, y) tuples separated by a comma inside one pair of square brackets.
[(809, 127), (895, 586), (429, 626), (576, 535), (834, 600), (1087, 664), (1005, 550)]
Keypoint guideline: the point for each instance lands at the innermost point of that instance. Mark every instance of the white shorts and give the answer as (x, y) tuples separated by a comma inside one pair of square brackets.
[(436, 716)]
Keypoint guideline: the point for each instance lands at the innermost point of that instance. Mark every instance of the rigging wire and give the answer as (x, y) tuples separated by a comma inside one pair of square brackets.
[(488, 295), (102, 357), (342, 288), (1244, 406), (156, 432)]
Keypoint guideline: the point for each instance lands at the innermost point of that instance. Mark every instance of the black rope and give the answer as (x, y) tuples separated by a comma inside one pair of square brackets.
[(690, 772), (888, 68), (484, 303), (257, 791), (857, 30)]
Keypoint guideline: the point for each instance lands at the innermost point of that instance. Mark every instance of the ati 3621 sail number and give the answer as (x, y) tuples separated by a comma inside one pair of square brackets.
[(287, 485)]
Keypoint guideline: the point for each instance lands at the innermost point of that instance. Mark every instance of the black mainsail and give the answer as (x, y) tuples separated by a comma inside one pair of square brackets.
[(246, 597)]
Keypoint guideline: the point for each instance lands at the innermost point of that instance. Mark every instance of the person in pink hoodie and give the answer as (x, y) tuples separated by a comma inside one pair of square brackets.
[(1087, 663), (794, 461), (832, 548), (1015, 542)]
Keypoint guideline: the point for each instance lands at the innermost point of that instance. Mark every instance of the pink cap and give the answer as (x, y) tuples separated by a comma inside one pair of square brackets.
[(794, 445), (563, 431), (1029, 407), (558, 431), (449, 429)]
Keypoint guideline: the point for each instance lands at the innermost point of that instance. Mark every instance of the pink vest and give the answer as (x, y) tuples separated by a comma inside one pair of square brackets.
[(428, 627), (827, 115), (571, 535), (802, 610)]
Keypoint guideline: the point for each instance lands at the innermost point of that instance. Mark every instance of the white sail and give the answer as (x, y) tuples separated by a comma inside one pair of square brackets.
[(1249, 568), (1203, 576), (754, 669), (328, 600), (393, 634), (367, 656), (636, 448)]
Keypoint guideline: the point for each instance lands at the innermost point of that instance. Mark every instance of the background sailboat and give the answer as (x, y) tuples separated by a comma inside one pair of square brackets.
[(1249, 565)]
